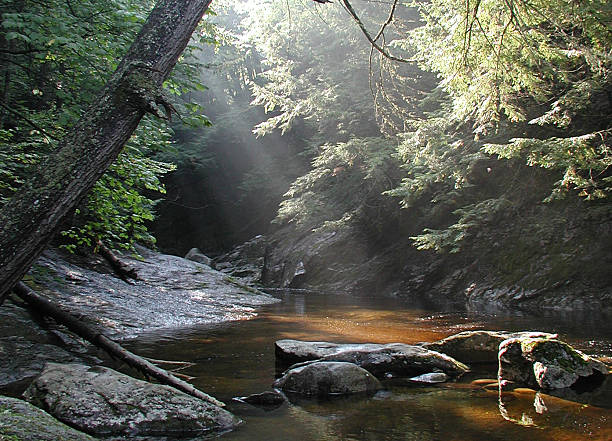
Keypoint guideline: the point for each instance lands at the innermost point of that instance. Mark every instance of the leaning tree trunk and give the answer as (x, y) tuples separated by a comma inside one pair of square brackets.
[(33, 216)]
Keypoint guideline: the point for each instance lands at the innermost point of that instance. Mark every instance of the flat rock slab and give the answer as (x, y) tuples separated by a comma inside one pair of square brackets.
[(548, 364), (172, 292), (296, 351), (383, 361), (22, 421), (326, 378), (103, 402), (479, 346), (21, 359)]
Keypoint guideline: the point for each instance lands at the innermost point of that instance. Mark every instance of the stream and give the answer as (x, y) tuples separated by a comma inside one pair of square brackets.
[(237, 359)]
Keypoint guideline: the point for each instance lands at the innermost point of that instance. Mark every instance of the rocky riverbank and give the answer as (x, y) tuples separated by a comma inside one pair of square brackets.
[(564, 266), (72, 381), (170, 292)]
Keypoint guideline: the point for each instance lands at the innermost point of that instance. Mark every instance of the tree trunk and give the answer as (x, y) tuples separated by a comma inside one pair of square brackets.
[(33, 216), (45, 307)]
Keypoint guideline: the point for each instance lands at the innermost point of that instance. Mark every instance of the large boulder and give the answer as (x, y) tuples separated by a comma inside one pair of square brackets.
[(401, 360), (547, 364), (383, 361), (103, 402), (22, 421), (328, 378), (479, 346), (289, 352)]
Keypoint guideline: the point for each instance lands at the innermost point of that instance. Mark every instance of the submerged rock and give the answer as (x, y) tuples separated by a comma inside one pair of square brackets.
[(22, 421), (548, 364), (328, 378), (479, 346), (101, 401), (383, 361), (268, 399), (430, 378)]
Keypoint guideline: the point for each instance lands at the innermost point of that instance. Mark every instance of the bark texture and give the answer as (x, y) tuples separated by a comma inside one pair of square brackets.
[(33, 216)]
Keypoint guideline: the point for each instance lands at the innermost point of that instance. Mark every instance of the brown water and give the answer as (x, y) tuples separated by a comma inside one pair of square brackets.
[(237, 359)]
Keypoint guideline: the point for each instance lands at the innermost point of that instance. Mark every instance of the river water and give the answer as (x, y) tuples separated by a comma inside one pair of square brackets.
[(237, 359)]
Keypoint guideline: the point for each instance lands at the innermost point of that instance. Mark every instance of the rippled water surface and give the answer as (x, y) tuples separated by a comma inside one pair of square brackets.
[(237, 359)]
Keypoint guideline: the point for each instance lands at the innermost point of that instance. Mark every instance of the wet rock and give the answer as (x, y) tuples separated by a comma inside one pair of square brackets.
[(479, 346), (197, 256), (21, 360), (27, 342), (400, 360), (268, 399), (430, 378), (328, 378), (22, 421), (384, 361), (548, 364), (103, 402), (172, 292), (247, 260), (16, 320), (296, 351)]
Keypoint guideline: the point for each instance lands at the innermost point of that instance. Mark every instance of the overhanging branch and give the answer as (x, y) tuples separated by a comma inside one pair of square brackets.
[(371, 39)]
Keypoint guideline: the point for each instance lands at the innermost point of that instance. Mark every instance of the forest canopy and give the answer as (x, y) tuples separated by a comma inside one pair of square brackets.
[(463, 93), (460, 112)]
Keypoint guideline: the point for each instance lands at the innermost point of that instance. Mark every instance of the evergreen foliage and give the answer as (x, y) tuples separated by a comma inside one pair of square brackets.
[(517, 81), (492, 102)]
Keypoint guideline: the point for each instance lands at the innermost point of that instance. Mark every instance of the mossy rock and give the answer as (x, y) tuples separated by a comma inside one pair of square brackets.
[(21, 421), (478, 346), (103, 402), (548, 364)]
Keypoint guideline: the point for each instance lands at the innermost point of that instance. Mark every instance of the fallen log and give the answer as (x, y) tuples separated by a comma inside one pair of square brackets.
[(122, 269), (89, 333)]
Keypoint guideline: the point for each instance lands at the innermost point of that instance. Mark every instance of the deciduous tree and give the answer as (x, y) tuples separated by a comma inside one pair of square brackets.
[(33, 216)]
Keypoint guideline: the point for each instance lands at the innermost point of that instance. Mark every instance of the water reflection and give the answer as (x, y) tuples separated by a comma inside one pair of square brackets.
[(238, 359), (569, 419)]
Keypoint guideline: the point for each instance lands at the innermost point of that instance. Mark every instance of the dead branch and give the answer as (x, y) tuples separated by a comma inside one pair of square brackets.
[(89, 333), (371, 39), (122, 269)]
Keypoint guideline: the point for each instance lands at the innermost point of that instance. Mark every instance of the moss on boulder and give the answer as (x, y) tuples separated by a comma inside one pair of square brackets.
[(548, 364), (21, 421)]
